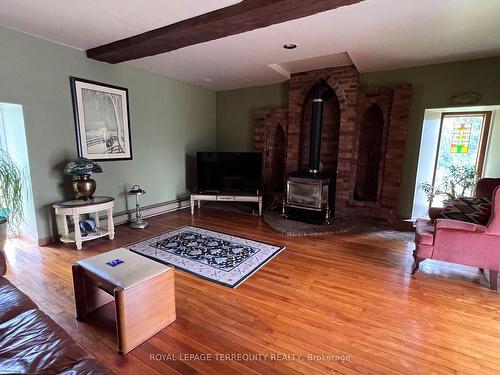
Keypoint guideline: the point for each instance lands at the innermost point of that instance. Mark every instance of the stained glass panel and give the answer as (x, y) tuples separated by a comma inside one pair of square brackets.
[(461, 138), (459, 146)]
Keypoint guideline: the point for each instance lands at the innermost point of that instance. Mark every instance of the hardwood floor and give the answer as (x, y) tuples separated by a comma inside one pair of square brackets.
[(349, 294)]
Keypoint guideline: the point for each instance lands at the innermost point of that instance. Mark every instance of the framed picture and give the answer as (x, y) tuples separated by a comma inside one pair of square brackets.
[(102, 120)]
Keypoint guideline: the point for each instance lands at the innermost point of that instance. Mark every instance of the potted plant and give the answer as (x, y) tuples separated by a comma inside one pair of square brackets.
[(458, 181), (11, 197), (81, 169)]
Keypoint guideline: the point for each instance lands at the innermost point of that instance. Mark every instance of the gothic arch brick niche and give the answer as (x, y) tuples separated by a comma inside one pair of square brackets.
[(344, 81), (381, 128), (270, 139), (370, 151), (277, 151)]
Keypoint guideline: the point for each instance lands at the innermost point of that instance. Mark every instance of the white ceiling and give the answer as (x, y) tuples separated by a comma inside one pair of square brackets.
[(90, 23), (374, 35)]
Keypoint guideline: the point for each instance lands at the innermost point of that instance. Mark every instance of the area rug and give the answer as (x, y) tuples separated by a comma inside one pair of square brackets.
[(215, 256)]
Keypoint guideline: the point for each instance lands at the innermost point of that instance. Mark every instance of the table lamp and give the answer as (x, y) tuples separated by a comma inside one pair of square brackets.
[(138, 223)]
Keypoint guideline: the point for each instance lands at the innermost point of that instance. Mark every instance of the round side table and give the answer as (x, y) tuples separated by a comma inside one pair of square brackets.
[(75, 208)]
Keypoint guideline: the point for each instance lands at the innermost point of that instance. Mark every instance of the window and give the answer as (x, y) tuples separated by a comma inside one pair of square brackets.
[(462, 144)]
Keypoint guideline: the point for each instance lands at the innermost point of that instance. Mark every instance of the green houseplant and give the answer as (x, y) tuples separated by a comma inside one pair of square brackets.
[(459, 181), (11, 196)]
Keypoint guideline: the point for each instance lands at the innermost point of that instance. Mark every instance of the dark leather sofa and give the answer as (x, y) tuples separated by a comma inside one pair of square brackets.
[(32, 343)]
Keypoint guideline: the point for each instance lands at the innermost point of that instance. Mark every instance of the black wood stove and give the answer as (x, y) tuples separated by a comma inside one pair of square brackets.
[(307, 191)]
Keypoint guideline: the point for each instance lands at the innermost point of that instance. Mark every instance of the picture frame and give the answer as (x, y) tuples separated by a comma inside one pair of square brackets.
[(102, 120)]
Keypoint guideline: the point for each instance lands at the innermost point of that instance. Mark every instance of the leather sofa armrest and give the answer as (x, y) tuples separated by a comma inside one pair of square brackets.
[(459, 225)]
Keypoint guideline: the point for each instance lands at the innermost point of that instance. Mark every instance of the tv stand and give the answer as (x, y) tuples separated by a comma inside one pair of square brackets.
[(225, 197)]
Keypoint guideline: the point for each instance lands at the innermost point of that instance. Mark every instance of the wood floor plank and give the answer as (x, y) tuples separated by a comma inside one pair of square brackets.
[(349, 294)]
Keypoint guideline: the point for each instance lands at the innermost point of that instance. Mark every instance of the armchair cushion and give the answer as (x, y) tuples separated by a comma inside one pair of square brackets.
[(424, 233), (470, 210)]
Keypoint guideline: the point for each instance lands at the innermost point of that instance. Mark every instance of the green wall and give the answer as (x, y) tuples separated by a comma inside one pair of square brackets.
[(170, 120), (235, 108), (433, 85)]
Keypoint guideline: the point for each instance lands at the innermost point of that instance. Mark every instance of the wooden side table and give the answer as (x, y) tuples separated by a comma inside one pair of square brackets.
[(74, 209), (143, 291)]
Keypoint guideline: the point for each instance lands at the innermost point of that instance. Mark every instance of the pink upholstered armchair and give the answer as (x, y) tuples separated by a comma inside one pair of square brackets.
[(461, 242)]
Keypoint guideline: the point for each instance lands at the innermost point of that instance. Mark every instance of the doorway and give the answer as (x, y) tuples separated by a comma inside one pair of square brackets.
[(13, 141)]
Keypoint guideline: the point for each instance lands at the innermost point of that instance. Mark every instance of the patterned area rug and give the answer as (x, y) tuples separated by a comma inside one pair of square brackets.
[(219, 257)]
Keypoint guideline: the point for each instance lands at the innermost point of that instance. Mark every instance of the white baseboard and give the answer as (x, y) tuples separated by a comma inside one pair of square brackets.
[(152, 210)]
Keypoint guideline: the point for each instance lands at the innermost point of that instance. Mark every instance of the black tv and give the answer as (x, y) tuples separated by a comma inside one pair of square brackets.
[(229, 172)]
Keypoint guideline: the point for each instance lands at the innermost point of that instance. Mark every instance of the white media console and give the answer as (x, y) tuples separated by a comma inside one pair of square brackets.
[(216, 197)]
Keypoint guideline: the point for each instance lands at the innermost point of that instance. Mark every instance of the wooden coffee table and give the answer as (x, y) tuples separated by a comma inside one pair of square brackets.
[(143, 292)]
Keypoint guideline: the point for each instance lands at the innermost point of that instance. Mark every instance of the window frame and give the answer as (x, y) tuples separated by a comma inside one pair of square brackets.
[(483, 143)]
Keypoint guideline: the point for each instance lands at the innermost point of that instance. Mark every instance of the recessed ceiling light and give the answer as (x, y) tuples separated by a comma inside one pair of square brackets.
[(289, 46)]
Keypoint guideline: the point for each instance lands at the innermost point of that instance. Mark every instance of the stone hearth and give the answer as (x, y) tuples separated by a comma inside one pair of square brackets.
[(362, 143)]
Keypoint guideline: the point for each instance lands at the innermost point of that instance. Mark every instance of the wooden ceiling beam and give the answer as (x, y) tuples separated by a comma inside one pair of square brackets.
[(235, 19)]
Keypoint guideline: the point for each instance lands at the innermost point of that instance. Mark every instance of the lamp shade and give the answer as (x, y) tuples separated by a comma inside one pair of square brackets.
[(136, 190), (82, 166)]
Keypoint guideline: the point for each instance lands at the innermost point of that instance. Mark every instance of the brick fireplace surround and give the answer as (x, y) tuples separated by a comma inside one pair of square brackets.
[(362, 145)]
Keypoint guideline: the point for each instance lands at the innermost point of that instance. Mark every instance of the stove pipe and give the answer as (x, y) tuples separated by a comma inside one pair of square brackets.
[(321, 92)]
